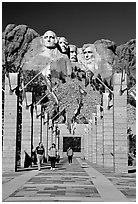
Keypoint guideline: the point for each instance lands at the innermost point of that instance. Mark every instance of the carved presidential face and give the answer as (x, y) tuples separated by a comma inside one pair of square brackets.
[(50, 39), (73, 53), (88, 54), (63, 43)]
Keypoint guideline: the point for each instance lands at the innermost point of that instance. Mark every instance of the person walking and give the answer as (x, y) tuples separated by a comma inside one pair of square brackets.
[(70, 155), (53, 155), (40, 152)]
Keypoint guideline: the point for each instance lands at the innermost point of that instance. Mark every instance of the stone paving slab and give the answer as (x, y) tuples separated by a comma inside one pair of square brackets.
[(106, 189), (125, 182), (74, 183), (54, 199), (70, 183), (11, 186), (8, 176)]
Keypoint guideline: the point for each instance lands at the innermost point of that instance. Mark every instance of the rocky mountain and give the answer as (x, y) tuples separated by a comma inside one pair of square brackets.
[(127, 58), (15, 43), (21, 42)]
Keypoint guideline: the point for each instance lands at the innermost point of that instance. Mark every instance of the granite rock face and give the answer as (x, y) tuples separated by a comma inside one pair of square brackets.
[(15, 42), (106, 50), (127, 58)]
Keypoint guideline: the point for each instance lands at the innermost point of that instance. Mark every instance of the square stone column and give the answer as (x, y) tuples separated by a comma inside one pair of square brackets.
[(108, 131), (83, 146), (94, 139), (50, 137), (90, 141), (50, 133), (99, 137), (26, 133), (45, 134), (36, 126), (86, 142), (120, 125), (10, 125)]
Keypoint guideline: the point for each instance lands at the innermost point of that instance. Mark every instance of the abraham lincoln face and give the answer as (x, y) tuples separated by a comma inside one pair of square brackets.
[(88, 54)]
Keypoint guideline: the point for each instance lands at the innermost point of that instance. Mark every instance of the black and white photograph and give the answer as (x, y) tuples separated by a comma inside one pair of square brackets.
[(68, 101)]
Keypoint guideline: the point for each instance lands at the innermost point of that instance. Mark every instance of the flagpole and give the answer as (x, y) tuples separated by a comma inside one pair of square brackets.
[(99, 80), (57, 114), (131, 88), (31, 80), (41, 99), (105, 85)]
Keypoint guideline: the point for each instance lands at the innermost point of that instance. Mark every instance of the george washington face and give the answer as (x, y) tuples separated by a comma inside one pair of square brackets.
[(50, 39)]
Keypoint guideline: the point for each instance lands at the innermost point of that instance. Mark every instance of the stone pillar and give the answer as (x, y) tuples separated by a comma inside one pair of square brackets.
[(50, 134), (94, 138), (90, 141), (86, 142), (54, 134), (26, 133), (45, 134), (10, 125), (108, 131), (36, 125), (120, 125), (99, 137), (50, 137), (83, 145), (63, 131)]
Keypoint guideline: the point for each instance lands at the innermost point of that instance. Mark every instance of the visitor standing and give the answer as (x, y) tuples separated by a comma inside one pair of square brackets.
[(70, 155), (53, 155)]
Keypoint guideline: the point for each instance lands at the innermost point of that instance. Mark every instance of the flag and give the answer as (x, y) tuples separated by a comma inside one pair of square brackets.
[(132, 91), (57, 114), (69, 125), (28, 160), (123, 75), (38, 110), (46, 72), (110, 101), (122, 80), (77, 110), (50, 123), (74, 125), (82, 91)]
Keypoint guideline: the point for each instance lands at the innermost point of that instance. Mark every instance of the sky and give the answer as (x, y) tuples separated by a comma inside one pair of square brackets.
[(79, 22)]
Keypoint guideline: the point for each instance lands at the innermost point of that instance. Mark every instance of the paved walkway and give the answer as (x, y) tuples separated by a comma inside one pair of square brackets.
[(78, 182)]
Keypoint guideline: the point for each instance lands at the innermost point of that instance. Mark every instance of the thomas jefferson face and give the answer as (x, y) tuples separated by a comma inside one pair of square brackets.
[(73, 54), (88, 54), (50, 39), (63, 44)]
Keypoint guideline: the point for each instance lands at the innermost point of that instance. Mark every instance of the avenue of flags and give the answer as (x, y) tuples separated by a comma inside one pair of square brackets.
[(71, 123)]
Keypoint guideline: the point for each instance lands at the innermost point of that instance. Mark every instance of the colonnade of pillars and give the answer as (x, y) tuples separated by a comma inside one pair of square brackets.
[(105, 141)]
